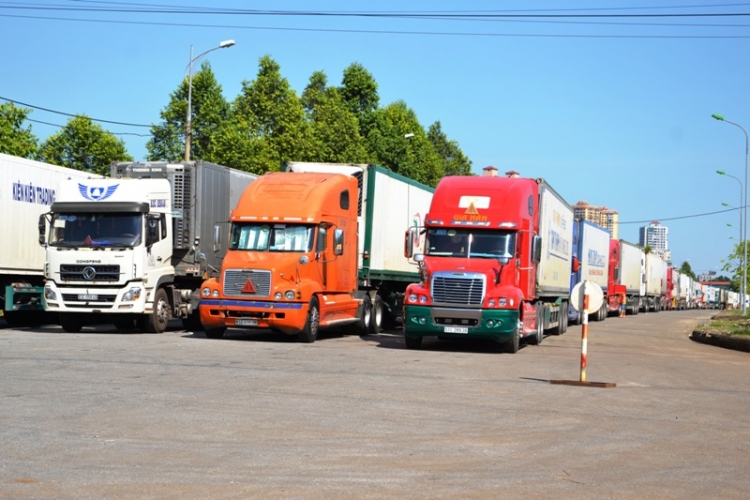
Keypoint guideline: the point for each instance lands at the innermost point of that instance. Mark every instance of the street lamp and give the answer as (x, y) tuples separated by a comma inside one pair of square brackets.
[(189, 120), (744, 216), (743, 283)]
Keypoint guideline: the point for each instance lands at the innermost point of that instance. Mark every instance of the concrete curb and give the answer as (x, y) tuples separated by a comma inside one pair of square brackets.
[(721, 340)]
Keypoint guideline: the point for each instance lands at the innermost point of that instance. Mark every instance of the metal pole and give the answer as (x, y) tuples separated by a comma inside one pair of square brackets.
[(189, 119), (584, 330)]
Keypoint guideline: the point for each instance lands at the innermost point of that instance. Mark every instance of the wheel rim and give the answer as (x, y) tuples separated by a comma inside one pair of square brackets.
[(161, 312), (378, 314), (314, 319)]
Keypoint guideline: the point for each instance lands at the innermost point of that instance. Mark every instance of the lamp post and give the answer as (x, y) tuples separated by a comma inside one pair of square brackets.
[(744, 213), (743, 283), (189, 120)]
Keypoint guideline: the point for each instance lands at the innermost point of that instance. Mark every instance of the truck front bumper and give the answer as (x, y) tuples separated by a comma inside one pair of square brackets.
[(286, 317), (499, 325), (130, 299)]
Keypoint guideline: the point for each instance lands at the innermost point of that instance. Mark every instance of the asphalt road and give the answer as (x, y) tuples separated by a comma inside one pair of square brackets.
[(102, 414)]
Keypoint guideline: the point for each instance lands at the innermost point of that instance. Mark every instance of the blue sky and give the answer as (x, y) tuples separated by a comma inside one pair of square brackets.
[(615, 111)]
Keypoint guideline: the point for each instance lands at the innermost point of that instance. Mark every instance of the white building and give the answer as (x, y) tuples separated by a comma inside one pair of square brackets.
[(657, 237)]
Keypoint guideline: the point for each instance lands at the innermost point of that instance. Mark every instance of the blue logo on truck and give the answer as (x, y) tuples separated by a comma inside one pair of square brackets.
[(96, 193)]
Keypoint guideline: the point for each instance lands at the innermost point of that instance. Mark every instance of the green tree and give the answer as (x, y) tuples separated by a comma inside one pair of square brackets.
[(334, 129), (733, 264), (209, 113), (398, 141), (360, 94), (453, 160), (14, 138), (83, 145), (268, 110), (686, 269)]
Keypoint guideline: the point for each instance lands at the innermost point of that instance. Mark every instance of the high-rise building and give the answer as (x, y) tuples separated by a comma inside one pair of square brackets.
[(657, 237), (601, 216)]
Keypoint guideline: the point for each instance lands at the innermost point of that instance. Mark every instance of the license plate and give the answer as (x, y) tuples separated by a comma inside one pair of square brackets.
[(246, 322), (456, 329), (87, 296)]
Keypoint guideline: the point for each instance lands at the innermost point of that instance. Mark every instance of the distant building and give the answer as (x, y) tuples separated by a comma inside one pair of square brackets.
[(657, 237), (601, 216), (489, 171)]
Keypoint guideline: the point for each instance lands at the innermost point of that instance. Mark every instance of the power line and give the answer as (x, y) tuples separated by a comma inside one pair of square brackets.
[(72, 115), (678, 218), (387, 32), (61, 126)]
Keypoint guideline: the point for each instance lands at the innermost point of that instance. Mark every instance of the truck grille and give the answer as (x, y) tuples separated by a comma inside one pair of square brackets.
[(72, 301), (235, 280), (78, 272), (458, 288)]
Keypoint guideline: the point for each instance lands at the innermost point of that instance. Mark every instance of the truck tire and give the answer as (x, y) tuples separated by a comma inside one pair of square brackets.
[(310, 332), (413, 342), (214, 333), (537, 338), (157, 321), (376, 320), (512, 346), (363, 324), (71, 323)]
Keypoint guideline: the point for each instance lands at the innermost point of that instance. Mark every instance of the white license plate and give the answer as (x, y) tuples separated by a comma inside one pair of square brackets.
[(87, 296), (456, 329), (246, 322)]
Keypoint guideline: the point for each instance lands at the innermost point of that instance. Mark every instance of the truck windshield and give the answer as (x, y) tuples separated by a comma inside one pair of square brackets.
[(272, 237), (480, 243), (96, 229)]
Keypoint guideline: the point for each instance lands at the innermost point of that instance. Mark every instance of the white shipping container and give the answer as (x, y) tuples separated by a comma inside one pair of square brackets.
[(27, 189), (594, 241), (556, 229), (632, 262), (685, 287), (656, 275)]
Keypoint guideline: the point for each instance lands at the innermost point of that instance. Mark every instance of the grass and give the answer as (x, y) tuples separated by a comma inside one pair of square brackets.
[(729, 322)]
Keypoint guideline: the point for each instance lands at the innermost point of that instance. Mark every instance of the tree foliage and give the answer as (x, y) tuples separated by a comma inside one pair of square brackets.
[(687, 270), (83, 145), (15, 139), (733, 264)]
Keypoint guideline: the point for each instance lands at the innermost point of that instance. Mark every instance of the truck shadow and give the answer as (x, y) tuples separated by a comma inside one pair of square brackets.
[(395, 340)]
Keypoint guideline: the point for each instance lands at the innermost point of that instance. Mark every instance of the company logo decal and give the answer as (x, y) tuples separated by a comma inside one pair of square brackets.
[(89, 273), (96, 193)]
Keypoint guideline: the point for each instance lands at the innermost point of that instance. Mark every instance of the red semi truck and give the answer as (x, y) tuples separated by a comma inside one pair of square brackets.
[(496, 265)]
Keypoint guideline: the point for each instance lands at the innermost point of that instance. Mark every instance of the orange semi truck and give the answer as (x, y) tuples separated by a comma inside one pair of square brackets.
[(317, 246)]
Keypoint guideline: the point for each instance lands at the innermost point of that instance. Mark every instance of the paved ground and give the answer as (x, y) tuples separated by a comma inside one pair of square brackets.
[(107, 415)]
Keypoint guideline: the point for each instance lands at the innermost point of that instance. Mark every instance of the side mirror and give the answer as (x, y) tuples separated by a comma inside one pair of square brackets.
[(503, 260), (537, 249), (576, 265), (409, 242), (217, 238), (418, 257), (42, 229)]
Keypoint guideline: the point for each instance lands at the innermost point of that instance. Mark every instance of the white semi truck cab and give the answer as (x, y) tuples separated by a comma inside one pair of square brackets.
[(130, 250)]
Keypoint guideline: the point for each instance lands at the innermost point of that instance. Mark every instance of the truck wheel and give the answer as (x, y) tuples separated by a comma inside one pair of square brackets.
[(537, 338), (214, 333), (310, 332), (564, 318), (363, 325), (156, 322), (376, 321), (511, 347), (71, 323), (413, 342)]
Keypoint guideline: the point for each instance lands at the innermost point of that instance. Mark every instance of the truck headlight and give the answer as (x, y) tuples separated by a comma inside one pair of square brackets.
[(215, 294), (422, 299), (132, 294), (49, 294), (413, 297), (206, 292), (289, 295), (502, 302)]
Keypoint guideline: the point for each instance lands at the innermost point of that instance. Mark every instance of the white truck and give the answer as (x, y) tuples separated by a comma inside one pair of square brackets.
[(133, 249), (656, 284), (27, 189), (632, 275)]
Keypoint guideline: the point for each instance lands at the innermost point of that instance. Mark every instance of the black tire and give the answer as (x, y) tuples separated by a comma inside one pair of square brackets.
[(214, 333), (71, 323), (157, 321), (310, 332), (376, 320), (537, 338), (565, 306), (512, 346), (362, 326), (413, 342), (193, 322), (562, 317)]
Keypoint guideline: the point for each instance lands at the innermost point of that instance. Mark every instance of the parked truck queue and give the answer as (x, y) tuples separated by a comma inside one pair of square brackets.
[(353, 247)]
